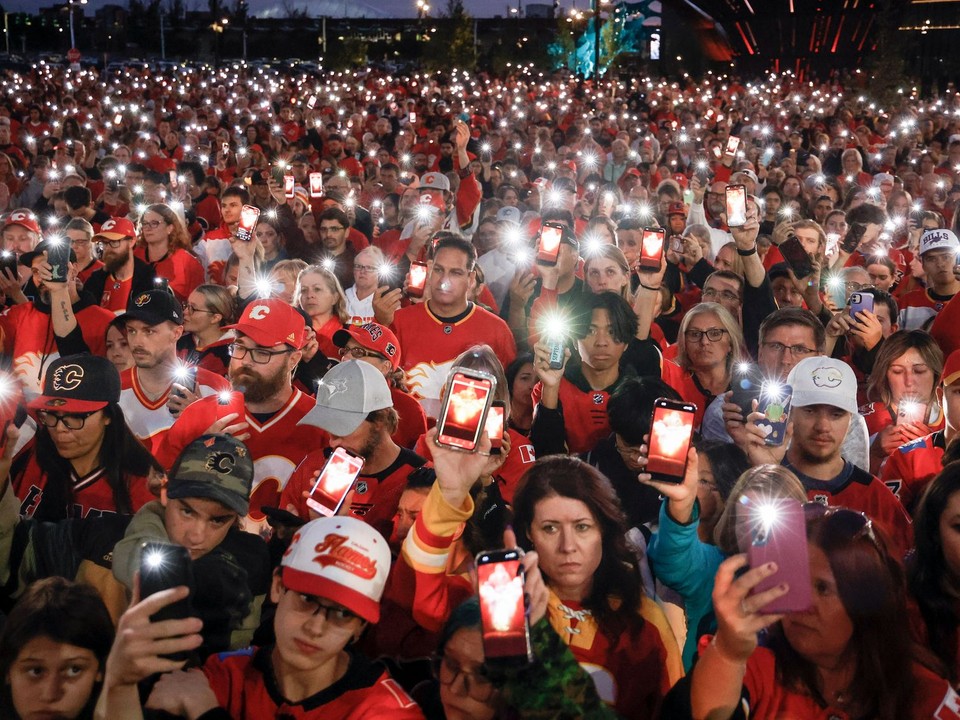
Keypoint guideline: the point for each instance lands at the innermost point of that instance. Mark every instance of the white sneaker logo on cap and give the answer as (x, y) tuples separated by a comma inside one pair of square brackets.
[(827, 377), (333, 552), (67, 377)]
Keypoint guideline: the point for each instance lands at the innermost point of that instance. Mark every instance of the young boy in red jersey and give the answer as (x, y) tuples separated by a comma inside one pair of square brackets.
[(327, 589)]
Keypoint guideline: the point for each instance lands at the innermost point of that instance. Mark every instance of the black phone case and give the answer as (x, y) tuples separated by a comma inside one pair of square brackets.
[(176, 570)]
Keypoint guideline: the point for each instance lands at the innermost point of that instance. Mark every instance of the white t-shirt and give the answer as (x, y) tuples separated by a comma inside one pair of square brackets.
[(360, 311)]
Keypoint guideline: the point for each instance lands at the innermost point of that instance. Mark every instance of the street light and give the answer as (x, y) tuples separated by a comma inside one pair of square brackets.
[(423, 9), (70, 4)]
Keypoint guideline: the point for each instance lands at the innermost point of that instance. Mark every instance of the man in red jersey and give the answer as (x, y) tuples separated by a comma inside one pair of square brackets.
[(435, 332), (214, 249), (270, 335)]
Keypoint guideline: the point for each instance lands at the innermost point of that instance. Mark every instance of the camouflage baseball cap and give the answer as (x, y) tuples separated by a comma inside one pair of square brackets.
[(214, 467)]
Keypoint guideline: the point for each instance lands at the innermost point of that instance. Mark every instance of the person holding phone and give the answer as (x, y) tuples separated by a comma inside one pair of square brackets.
[(850, 655), (906, 373), (123, 273), (908, 470), (206, 491), (214, 249), (327, 591), (824, 401), (354, 406)]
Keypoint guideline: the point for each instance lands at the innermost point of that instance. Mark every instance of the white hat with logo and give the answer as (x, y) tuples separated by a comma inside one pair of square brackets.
[(938, 238), (342, 559), (823, 381)]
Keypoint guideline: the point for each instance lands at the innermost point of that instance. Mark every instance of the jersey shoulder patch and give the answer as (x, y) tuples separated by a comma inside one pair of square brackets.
[(920, 442)]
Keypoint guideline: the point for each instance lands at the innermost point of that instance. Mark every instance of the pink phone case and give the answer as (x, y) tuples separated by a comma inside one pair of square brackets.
[(783, 541)]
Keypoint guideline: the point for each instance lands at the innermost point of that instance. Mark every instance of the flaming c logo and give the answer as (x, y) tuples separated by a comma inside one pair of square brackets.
[(259, 312), (67, 377)]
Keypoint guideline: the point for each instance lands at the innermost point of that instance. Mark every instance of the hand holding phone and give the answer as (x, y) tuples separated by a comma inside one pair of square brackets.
[(164, 566), (335, 482), (796, 257), (860, 302), (851, 240), (58, 255), (418, 279), (503, 617), (289, 186)]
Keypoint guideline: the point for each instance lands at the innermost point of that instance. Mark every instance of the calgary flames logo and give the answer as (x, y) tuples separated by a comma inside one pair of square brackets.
[(333, 550), (672, 432), (466, 404)]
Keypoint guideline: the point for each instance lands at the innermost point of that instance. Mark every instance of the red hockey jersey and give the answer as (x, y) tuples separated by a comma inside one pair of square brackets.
[(276, 446), (910, 467), (245, 687), (430, 346), (149, 419), (214, 250), (183, 271)]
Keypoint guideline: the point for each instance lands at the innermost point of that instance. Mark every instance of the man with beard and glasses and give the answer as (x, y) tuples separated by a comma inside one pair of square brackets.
[(158, 387), (354, 405), (26, 329), (122, 276), (270, 335)]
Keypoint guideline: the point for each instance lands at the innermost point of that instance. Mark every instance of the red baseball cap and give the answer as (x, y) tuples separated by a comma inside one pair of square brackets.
[(951, 369), (677, 208), (24, 219), (372, 336), (270, 323), (117, 228)]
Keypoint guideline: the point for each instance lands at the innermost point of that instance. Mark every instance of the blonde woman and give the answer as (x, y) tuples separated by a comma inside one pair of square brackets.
[(320, 295)]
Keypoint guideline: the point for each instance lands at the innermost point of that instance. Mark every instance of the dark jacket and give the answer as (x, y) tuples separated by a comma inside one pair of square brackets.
[(143, 275)]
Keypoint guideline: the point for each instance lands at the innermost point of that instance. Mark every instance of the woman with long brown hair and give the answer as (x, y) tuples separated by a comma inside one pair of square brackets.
[(165, 245)]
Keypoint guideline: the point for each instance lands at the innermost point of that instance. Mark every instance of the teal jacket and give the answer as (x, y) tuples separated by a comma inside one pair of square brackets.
[(680, 561)]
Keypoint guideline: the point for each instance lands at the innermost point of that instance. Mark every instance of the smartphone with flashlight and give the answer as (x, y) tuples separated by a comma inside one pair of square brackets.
[(58, 255), (335, 482), (228, 402), (225, 149), (289, 183), (9, 262), (312, 102), (796, 256), (702, 170), (746, 386), (463, 413), (860, 302), (164, 566), (418, 279), (249, 215), (911, 412), (389, 274), (184, 378), (736, 196), (778, 533), (651, 249), (766, 157), (733, 144), (671, 430), (496, 425), (316, 184), (548, 244), (503, 616), (12, 409), (851, 241), (774, 403)]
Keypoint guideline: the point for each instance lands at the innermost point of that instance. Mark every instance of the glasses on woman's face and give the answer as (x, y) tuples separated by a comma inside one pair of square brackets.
[(194, 309), (151, 224), (71, 421), (475, 684), (712, 334)]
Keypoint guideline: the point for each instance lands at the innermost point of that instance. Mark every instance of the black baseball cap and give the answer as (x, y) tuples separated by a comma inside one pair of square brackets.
[(154, 307), (79, 384)]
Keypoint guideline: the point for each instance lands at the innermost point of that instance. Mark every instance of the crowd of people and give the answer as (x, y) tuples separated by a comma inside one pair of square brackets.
[(217, 285)]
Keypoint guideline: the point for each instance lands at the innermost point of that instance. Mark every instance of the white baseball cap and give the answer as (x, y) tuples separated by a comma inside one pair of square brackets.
[(346, 395), (342, 559), (823, 381), (938, 238)]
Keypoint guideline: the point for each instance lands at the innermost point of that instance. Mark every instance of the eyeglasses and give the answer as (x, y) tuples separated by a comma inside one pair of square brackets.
[(359, 352), (364, 268), (475, 684), (724, 294), (259, 355), (713, 334), (195, 309), (114, 243), (152, 224), (81, 241), (72, 421), (312, 605), (330, 228), (780, 349)]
